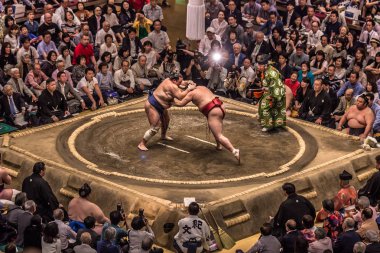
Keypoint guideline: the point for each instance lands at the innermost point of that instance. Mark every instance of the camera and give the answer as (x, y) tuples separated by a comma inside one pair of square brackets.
[(198, 57), (179, 47), (141, 212), (119, 208)]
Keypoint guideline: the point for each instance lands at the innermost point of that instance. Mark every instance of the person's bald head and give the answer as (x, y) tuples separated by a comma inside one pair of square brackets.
[(348, 224), (291, 225), (348, 94), (48, 18), (106, 26)]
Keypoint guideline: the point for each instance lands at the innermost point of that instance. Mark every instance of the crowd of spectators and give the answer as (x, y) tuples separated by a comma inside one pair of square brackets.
[(34, 219)]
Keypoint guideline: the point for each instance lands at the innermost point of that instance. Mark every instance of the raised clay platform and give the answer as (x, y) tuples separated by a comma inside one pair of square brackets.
[(100, 148)]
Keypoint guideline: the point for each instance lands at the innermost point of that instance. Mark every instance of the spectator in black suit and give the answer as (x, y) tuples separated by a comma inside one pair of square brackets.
[(11, 104), (372, 240), (301, 9), (127, 41), (293, 208), (346, 240), (259, 47), (232, 10), (96, 21), (288, 241), (289, 16)]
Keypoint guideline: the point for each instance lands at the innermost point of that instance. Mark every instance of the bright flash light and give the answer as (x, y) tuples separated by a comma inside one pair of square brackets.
[(216, 57)]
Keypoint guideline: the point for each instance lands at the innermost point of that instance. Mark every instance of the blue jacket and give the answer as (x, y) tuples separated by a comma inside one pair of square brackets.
[(346, 241), (358, 89), (310, 75), (231, 60), (267, 30)]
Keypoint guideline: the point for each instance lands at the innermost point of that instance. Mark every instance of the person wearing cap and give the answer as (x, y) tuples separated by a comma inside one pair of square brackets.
[(205, 43), (347, 195), (39, 190), (272, 113), (372, 241), (249, 36)]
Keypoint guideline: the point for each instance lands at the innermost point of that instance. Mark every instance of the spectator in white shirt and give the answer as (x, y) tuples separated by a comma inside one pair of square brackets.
[(124, 80), (152, 11), (219, 24), (205, 44), (89, 90)]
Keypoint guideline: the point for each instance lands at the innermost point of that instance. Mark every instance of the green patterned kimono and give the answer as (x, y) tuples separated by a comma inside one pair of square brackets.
[(272, 111)]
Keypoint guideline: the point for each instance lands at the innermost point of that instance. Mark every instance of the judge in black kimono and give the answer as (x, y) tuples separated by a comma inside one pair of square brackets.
[(52, 105), (372, 188)]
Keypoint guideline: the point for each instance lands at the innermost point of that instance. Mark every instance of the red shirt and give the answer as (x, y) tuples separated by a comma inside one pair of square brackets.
[(87, 51), (292, 85)]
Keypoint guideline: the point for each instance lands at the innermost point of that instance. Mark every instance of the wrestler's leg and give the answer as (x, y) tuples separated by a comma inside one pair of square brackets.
[(154, 121), (215, 122), (165, 126)]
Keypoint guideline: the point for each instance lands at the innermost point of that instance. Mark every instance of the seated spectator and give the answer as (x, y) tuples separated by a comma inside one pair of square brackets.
[(333, 26), (251, 10), (236, 58), (46, 46), (309, 229), (316, 107), (24, 221), (277, 45), (7, 58), (12, 37), (332, 95), (69, 24), (65, 232), (108, 46), (319, 65), (376, 111), (132, 44), (142, 25), (263, 14), (13, 110), (267, 242), (216, 74), (214, 7), (205, 43), (14, 211), (325, 47), (63, 9), (363, 203), (36, 79), (52, 105), (89, 225), (65, 57), (259, 47), (340, 49), (322, 243), (373, 49), (150, 54), (85, 30), (84, 246), (305, 72), (106, 244), (288, 241), (196, 240), (219, 24), (27, 48), (359, 57), (283, 67), (25, 65), (247, 71), (228, 45), (232, 10), (298, 27), (331, 79), (50, 239), (124, 80), (358, 68), (74, 101), (249, 37), (116, 217), (294, 207), (112, 19), (340, 71), (127, 15), (302, 92), (332, 220), (359, 118), (369, 32), (33, 233), (49, 65), (95, 21), (313, 37), (345, 102), (19, 86), (79, 70), (293, 83), (233, 25), (105, 78), (31, 24), (68, 43), (347, 239), (140, 73), (62, 68), (373, 69), (298, 57), (82, 14), (272, 22), (352, 83), (160, 39), (84, 48), (368, 223), (80, 207), (309, 18), (89, 90), (152, 11), (372, 240)]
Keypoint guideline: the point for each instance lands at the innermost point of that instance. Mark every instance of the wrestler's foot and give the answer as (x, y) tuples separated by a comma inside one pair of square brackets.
[(166, 138), (236, 153), (266, 129), (219, 147), (142, 147)]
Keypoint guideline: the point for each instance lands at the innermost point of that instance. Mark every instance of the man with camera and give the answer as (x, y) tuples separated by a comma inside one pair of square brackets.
[(140, 231), (157, 104), (116, 217)]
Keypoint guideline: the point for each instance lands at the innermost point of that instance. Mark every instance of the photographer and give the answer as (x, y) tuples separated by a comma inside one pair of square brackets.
[(216, 74), (231, 83), (168, 65), (116, 217), (195, 72), (140, 230)]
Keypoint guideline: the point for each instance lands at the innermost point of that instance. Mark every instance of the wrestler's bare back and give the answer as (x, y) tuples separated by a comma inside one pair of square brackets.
[(201, 96), (80, 208)]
